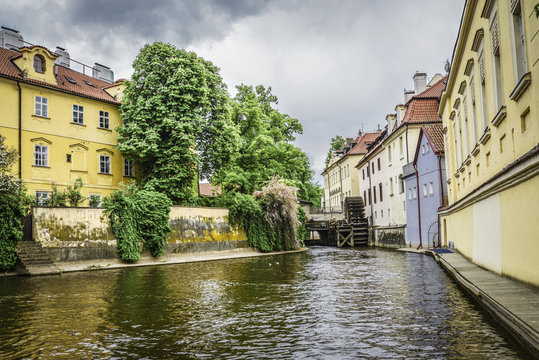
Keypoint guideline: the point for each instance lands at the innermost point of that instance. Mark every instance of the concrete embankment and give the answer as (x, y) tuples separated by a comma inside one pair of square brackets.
[(513, 304)]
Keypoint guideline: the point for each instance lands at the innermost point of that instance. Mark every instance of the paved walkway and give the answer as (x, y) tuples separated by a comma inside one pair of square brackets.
[(515, 304)]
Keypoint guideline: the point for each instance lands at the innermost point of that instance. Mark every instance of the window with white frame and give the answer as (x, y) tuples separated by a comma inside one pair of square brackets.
[(78, 114), (414, 192), (409, 193), (41, 106), (41, 155), (519, 47), (104, 122), (42, 198), (425, 192), (431, 189), (427, 148), (104, 164), (129, 167), (390, 186), (497, 68)]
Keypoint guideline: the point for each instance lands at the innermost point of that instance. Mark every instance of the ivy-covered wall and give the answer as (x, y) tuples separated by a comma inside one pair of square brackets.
[(76, 234)]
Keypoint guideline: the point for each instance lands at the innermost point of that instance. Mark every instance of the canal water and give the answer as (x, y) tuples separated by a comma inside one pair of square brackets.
[(326, 303)]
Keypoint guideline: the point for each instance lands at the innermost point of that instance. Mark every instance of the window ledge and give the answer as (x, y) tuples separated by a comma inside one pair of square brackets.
[(129, 176), (467, 161), (41, 166), (476, 150), (74, 123), (521, 87), (106, 129), (500, 116), (100, 173), (485, 137), (457, 174), (80, 171), (41, 117)]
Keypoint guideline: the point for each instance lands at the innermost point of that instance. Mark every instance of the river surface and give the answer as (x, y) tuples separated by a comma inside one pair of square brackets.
[(326, 303)]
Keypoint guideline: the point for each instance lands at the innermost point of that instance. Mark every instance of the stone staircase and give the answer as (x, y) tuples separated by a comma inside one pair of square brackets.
[(34, 260)]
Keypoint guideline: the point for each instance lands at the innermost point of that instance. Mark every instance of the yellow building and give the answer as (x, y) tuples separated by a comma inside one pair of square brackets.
[(341, 178), (61, 121), (490, 112)]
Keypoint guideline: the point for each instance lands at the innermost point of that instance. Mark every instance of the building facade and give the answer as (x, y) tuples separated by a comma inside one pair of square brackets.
[(340, 178), (490, 118), (425, 187), (60, 121)]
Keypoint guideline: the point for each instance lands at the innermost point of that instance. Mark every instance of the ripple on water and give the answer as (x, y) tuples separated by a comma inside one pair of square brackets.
[(326, 303)]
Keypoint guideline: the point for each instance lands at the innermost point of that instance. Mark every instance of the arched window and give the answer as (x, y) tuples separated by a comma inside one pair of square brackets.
[(39, 64)]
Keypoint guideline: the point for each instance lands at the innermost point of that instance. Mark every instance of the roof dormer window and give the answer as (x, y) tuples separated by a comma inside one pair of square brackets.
[(39, 64)]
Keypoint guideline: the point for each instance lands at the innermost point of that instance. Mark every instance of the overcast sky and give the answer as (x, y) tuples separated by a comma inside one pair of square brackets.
[(337, 66)]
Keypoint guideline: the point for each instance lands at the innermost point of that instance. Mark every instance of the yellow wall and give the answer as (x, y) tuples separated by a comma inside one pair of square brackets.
[(489, 220), (57, 131), (508, 139), (520, 231), (514, 221)]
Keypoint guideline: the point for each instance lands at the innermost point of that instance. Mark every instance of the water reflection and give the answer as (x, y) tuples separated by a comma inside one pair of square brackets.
[(326, 303)]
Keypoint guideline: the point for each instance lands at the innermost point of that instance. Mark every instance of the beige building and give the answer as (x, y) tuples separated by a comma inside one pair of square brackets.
[(490, 113), (341, 179)]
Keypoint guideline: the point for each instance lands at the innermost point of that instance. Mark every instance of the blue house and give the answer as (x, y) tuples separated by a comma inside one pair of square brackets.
[(426, 189)]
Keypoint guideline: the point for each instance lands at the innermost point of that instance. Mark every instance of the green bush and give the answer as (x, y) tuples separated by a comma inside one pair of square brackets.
[(139, 221), (11, 212), (270, 222)]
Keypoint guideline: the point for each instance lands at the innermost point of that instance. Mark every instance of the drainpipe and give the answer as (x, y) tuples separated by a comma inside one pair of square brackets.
[(20, 131), (418, 207), (441, 200)]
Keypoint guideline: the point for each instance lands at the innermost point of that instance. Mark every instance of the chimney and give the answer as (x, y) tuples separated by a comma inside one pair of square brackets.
[(420, 82), (103, 73), (63, 58), (391, 122), (408, 94), (10, 39)]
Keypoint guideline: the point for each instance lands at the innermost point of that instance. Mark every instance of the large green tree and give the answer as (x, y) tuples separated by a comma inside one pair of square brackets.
[(176, 121), (265, 148)]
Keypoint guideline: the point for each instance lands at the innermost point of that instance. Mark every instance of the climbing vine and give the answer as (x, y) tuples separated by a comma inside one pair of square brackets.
[(269, 218), (11, 208), (139, 221)]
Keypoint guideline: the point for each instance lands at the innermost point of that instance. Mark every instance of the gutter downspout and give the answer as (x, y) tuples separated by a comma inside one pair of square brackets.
[(418, 207), (441, 201), (20, 131)]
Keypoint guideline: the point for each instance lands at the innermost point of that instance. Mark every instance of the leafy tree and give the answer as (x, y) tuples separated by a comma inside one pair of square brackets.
[(73, 194), (265, 149), (176, 121), (337, 143), (11, 208)]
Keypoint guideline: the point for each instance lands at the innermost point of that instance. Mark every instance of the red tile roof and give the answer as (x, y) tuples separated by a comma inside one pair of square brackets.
[(423, 107), (435, 136), (209, 190), (9, 70), (363, 141)]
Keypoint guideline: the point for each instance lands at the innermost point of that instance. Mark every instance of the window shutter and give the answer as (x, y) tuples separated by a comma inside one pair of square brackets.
[(472, 91), (513, 5), (495, 36), (482, 68)]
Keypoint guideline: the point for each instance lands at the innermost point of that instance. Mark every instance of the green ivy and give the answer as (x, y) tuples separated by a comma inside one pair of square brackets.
[(301, 230), (139, 221), (11, 212)]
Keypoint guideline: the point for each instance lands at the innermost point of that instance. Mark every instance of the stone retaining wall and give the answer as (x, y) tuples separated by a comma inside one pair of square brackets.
[(76, 234)]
